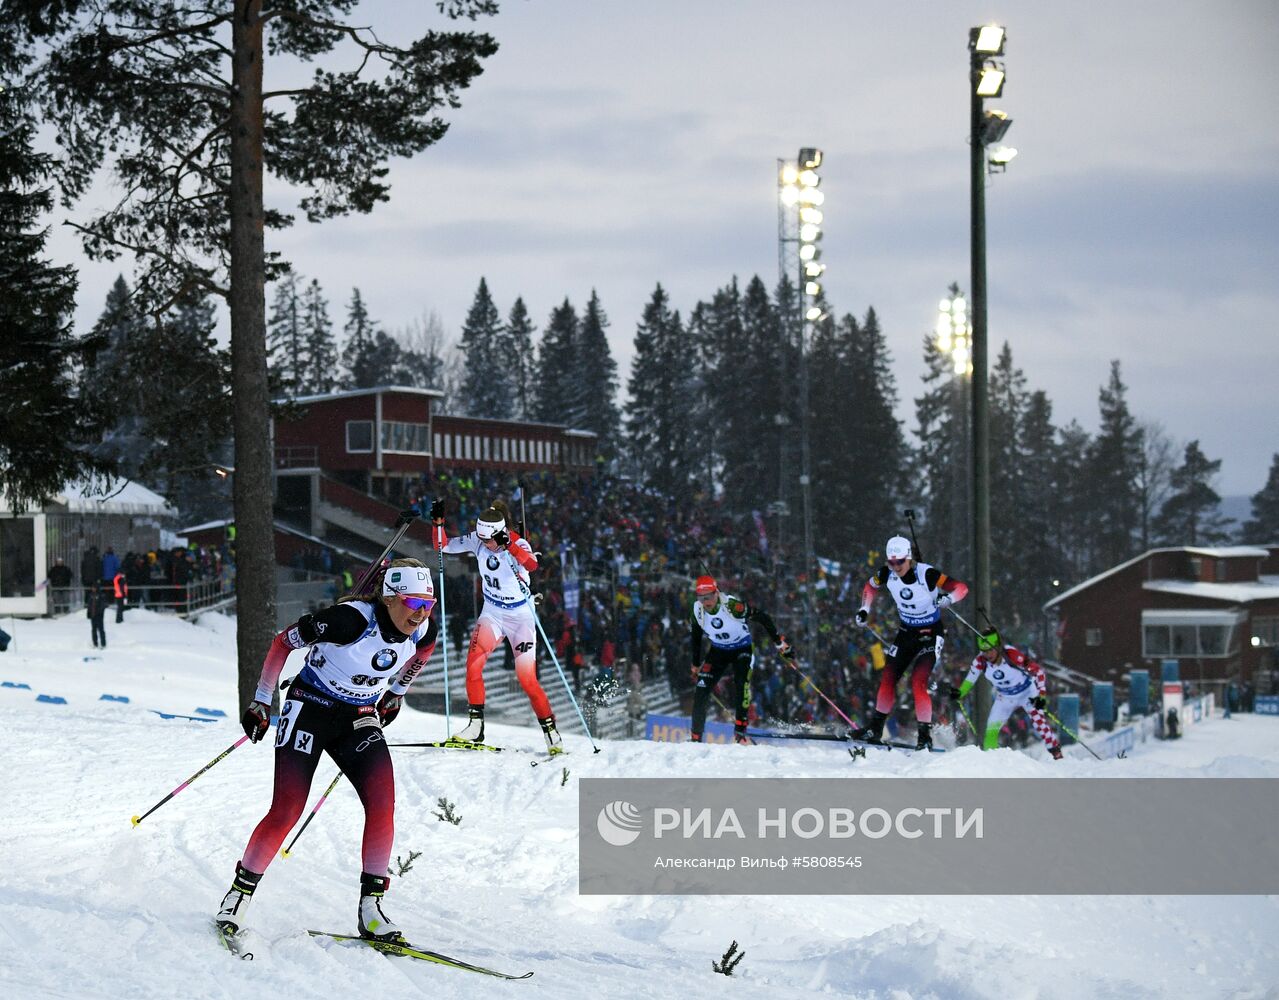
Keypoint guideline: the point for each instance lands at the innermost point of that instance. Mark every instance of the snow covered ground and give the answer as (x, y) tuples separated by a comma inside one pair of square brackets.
[(91, 907)]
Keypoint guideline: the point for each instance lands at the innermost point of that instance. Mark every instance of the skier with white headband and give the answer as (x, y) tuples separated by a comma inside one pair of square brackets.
[(505, 562)]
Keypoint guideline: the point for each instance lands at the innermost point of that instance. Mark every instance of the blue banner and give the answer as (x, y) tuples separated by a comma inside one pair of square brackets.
[(1266, 704)]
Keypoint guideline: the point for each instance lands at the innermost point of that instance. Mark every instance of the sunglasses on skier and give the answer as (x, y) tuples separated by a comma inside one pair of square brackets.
[(988, 641), (418, 603)]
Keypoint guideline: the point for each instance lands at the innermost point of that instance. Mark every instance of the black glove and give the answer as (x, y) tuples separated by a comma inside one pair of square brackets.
[(408, 515), (1039, 702), (954, 692), (862, 616), (389, 707), (437, 509), (256, 720), (502, 537)]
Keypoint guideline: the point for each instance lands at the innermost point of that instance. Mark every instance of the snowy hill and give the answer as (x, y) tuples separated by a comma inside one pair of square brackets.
[(94, 908)]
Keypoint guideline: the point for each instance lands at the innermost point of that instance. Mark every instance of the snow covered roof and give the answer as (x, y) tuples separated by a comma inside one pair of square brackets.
[(347, 393), (129, 498), (1217, 553), (1264, 589)]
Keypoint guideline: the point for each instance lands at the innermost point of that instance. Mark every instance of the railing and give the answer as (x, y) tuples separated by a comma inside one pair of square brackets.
[(371, 508), (297, 457), (184, 599)]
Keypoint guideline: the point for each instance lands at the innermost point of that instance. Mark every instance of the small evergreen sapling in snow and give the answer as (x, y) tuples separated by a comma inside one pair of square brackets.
[(729, 961), (564, 779), (403, 865), (447, 815)]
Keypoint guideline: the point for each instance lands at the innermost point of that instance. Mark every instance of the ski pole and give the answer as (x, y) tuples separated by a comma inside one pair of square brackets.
[(910, 516), (819, 691), (437, 532), (889, 648), (216, 760), (564, 680), (332, 784), (1073, 735), (975, 631)]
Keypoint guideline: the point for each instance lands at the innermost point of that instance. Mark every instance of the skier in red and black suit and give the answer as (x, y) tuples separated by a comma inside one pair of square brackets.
[(362, 655), (920, 592)]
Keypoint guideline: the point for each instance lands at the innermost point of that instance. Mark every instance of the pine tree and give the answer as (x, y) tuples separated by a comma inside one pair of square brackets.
[(45, 424), (285, 339), (1113, 464), (320, 352), (557, 399), (363, 364), (1190, 515), (521, 362), (1007, 400), (487, 389), (1263, 529), (942, 476), (174, 94), (1037, 556), (878, 453), (596, 377), (1073, 526), (113, 382), (661, 445)]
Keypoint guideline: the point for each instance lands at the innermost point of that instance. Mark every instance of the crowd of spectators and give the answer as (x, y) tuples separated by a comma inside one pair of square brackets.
[(632, 555), (161, 577)]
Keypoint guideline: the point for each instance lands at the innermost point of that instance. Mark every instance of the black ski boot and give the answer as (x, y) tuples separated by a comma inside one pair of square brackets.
[(874, 731), (925, 741), (373, 922), (230, 916)]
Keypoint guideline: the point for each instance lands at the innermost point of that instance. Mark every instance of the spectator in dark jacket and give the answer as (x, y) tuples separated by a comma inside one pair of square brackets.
[(90, 567), (60, 585), (96, 607)]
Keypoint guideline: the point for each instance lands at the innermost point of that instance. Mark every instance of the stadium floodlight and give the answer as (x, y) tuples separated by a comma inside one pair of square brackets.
[(808, 233), (990, 80), (995, 126), (812, 269), (954, 335), (790, 174), (813, 215), (811, 196), (1003, 154), (809, 158), (809, 178), (790, 194), (812, 289), (988, 39), (814, 313), (807, 252)]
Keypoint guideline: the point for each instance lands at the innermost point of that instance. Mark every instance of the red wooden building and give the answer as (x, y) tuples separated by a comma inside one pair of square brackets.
[(346, 462), (1214, 609)]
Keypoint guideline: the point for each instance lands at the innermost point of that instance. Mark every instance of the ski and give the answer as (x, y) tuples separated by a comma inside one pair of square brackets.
[(900, 747), (409, 951), (232, 942), (546, 758), (451, 744)]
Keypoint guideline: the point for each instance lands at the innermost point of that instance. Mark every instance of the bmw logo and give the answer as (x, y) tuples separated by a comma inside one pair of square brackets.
[(907, 593), (493, 562), (384, 659), (717, 623)]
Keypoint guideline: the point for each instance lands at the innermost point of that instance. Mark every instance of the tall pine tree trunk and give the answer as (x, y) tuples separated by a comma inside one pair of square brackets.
[(255, 541)]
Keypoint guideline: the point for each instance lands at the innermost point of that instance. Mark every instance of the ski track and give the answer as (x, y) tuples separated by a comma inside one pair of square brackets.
[(93, 908)]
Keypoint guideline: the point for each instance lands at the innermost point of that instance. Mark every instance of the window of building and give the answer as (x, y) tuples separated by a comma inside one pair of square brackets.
[(409, 439), (1196, 567), (359, 436), (1189, 634), (1155, 641), (17, 556), (1219, 568), (1265, 628), (1092, 637)]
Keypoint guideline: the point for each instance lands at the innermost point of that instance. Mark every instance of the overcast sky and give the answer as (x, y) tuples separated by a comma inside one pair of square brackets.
[(613, 144)]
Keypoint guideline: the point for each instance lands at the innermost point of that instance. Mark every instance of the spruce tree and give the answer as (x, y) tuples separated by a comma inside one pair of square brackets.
[(1155, 463), (715, 335), (942, 475), (1112, 473), (360, 361), (1263, 529), (1075, 497), (1007, 399), (557, 398), (487, 387), (113, 382), (1038, 558), (520, 359), (320, 351), (661, 445), (175, 94), (596, 377), (422, 346), (286, 342), (46, 427), (1190, 516), (878, 460)]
